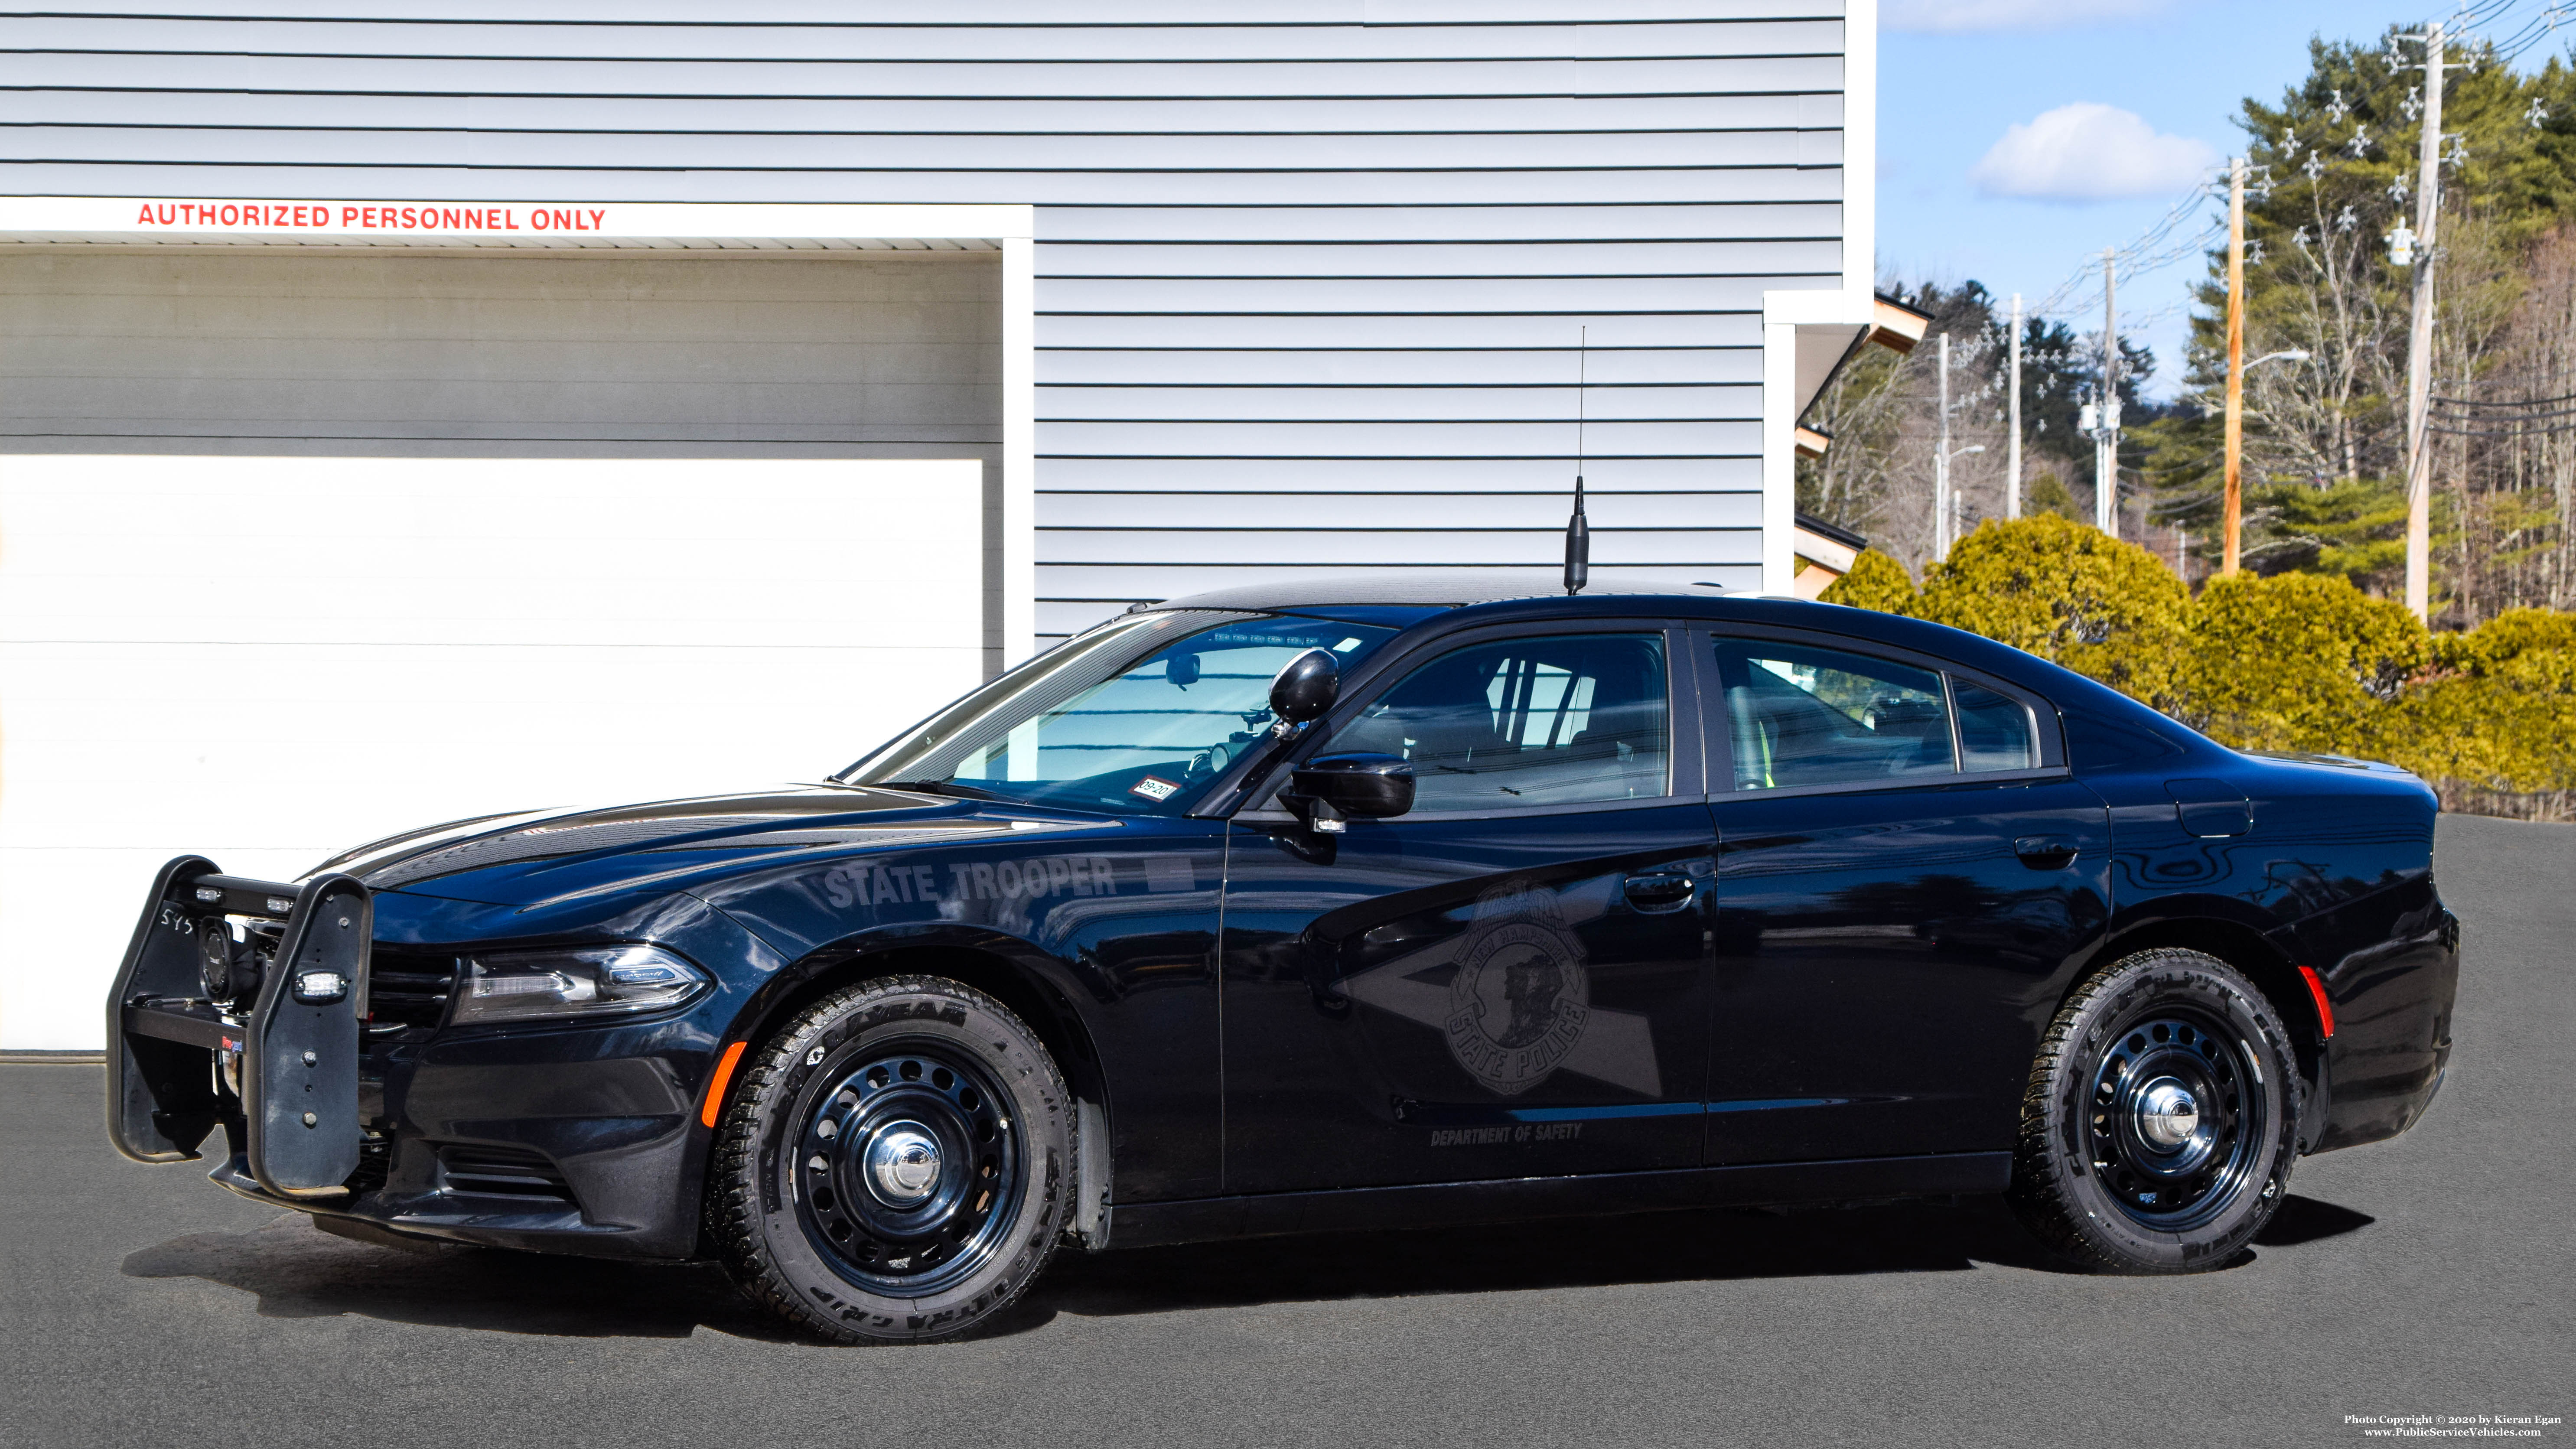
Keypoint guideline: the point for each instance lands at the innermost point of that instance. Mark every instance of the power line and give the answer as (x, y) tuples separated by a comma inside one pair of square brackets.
[(2504, 402), (2502, 432), (2149, 252)]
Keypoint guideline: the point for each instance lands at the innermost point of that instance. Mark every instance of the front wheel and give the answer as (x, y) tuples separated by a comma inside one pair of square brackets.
[(895, 1165), (2161, 1119)]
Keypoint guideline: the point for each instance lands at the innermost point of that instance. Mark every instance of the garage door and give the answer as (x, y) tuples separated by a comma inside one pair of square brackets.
[(298, 551)]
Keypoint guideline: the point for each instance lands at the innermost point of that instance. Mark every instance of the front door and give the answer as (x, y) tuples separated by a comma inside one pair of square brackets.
[(1508, 981), (1904, 871)]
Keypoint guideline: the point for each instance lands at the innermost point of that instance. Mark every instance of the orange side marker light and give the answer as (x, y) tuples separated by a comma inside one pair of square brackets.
[(733, 1054), (2316, 988)]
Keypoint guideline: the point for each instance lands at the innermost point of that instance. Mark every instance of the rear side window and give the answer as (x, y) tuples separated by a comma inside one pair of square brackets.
[(1521, 722), (1799, 716)]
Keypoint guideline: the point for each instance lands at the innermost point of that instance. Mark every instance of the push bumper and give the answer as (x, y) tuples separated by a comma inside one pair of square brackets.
[(191, 1041), (563, 1138)]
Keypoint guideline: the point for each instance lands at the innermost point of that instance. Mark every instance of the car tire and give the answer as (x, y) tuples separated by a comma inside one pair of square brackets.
[(2161, 1119), (895, 1164)]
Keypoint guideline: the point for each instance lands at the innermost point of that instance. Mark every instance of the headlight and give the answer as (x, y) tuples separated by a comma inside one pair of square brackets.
[(586, 981)]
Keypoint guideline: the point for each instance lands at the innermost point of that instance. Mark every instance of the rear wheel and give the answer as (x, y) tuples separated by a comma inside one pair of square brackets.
[(895, 1165), (2160, 1123)]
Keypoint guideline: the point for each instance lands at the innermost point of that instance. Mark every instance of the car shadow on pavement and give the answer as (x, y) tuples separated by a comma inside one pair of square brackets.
[(2306, 1220), (1668, 1247), (296, 1271)]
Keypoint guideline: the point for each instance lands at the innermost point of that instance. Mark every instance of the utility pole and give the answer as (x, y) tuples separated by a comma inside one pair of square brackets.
[(2235, 365), (2419, 350), (2106, 441), (1941, 463), (2012, 409)]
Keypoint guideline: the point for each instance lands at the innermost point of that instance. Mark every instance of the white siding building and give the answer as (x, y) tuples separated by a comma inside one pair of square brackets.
[(1175, 295)]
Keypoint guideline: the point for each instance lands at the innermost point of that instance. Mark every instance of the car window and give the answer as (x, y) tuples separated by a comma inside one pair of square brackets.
[(1995, 733), (1801, 716), (1552, 721), (1134, 718)]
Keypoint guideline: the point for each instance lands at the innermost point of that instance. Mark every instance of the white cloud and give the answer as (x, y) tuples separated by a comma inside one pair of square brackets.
[(1955, 17), (2090, 152)]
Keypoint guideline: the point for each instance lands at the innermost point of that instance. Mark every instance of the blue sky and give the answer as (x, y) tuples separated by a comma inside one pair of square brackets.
[(2003, 123)]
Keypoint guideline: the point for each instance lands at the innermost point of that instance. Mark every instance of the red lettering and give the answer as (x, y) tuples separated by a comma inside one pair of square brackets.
[(509, 221), (146, 218), (411, 216), (537, 218), (348, 217), (321, 214), (231, 215), (595, 219), (449, 217)]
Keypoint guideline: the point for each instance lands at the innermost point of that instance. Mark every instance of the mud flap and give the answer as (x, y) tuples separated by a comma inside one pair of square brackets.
[(297, 1041)]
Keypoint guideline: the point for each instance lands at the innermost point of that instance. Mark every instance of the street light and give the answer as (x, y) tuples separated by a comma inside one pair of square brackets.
[(2233, 523), (1945, 499)]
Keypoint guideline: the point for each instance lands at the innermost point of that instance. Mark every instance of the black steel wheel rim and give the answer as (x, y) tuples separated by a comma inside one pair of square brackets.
[(2175, 1118), (907, 1167)]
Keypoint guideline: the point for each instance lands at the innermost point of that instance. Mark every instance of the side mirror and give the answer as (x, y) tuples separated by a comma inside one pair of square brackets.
[(1370, 787), (1305, 688)]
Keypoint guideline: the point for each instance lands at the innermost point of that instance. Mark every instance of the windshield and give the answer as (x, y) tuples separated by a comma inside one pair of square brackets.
[(1135, 717)]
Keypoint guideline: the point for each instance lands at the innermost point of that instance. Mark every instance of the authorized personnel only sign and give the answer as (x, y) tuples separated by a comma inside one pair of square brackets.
[(367, 216)]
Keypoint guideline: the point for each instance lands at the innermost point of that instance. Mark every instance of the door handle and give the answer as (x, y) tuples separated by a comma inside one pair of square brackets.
[(1659, 891), (2045, 852)]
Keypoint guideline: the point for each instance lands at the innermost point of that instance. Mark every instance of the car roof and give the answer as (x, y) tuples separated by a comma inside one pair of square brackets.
[(1450, 588)]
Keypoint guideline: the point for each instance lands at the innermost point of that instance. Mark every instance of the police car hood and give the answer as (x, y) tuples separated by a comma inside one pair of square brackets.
[(550, 856)]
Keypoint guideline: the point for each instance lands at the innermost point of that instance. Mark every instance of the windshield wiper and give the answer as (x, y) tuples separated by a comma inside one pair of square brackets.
[(941, 787)]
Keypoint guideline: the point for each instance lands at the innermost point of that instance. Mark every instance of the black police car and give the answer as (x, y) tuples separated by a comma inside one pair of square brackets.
[(1403, 902)]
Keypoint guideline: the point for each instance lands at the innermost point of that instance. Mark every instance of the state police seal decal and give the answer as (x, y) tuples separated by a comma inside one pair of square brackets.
[(1522, 996)]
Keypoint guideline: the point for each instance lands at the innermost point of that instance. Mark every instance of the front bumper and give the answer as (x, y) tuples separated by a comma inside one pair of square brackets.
[(549, 1136), (574, 1140)]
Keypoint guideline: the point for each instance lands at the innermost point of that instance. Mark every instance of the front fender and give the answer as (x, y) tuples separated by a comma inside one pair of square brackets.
[(1114, 925)]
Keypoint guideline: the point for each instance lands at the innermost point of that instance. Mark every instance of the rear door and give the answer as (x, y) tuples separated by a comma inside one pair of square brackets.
[(1904, 871), (1510, 980)]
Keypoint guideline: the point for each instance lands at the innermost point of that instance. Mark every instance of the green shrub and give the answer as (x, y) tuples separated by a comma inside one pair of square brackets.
[(2297, 662), (2496, 711), (2069, 594), (1876, 581)]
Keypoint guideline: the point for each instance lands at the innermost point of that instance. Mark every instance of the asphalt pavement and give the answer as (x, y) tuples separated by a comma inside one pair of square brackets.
[(2432, 1275)]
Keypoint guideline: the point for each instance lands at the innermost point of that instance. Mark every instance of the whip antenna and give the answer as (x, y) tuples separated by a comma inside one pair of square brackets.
[(1578, 532)]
